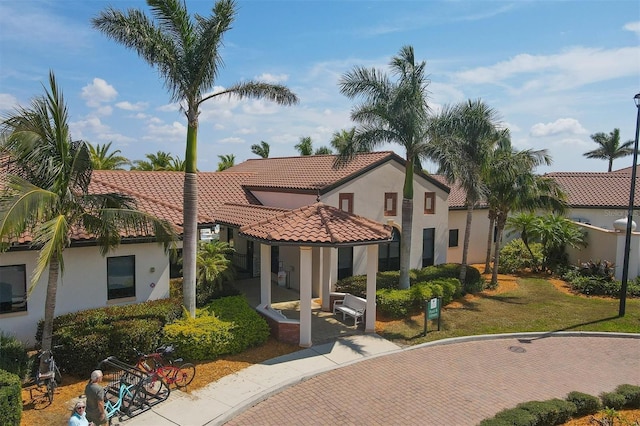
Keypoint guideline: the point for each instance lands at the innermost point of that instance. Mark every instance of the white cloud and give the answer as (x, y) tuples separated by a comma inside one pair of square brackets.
[(169, 107), (260, 107), (273, 78), (246, 131), (7, 101), (561, 125), (173, 131), (104, 110), (633, 27), (98, 92), (128, 106), (572, 68), (231, 140)]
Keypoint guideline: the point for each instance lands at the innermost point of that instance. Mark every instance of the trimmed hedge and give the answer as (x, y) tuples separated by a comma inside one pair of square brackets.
[(89, 336), (13, 356), (10, 398), (401, 303), (225, 326), (557, 411)]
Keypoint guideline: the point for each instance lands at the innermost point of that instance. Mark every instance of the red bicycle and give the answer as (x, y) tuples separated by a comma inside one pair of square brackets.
[(160, 366)]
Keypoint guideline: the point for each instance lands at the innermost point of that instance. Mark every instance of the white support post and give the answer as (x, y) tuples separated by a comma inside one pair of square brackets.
[(325, 286), (305, 296), (265, 274), (372, 269)]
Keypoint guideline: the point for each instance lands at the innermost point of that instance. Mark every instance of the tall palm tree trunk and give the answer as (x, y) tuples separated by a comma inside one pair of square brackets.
[(465, 247), (190, 215), (407, 224), (50, 303), (487, 259)]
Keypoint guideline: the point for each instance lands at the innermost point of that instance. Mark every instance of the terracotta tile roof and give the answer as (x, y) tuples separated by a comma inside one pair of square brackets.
[(238, 215), (160, 190), (312, 173), (317, 224), (597, 190), (457, 195)]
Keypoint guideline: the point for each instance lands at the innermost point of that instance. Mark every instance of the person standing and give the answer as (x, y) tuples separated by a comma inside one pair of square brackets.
[(78, 417), (95, 399)]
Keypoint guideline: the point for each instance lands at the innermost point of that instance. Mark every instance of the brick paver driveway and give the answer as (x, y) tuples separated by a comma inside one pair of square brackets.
[(453, 384)]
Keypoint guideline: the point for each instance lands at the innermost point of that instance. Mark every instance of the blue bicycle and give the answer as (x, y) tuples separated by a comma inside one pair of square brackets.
[(126, 397)]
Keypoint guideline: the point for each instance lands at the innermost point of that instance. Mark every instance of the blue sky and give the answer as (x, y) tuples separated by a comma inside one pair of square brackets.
[(556, 71)]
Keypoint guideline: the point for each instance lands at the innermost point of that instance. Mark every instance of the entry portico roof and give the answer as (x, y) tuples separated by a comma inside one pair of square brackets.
[(317, 224)]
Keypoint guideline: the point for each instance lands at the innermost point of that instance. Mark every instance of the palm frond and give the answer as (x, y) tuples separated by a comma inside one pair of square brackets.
[(52, 237)]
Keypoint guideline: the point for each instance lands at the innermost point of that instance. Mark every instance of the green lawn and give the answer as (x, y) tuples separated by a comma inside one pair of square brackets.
[(535, 306)]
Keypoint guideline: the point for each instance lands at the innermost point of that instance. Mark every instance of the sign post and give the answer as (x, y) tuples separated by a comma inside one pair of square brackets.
[(432, 311)]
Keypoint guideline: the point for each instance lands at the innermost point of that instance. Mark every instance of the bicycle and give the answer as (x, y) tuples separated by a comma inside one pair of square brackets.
[(160, 366), (112, 408), (48, 374)]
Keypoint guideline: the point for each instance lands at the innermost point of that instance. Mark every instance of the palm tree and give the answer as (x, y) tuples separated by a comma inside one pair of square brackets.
[(305, 146), (463, 138), (323, 150), (391, 112), (186, 52), (177, 165), (556, 232), (214, 266), (102, 159), (525, 224), (47, 196), (609, 147), (342, 138), (156, 162), (261, 150), (226, 162), (512, 186)]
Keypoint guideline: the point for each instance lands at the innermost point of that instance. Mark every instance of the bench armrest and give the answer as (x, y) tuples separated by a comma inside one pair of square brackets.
[(336, 303)]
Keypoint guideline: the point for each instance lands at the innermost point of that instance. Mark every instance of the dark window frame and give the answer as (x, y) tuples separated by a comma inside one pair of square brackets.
[(348, 197), (429, 197), (123, 292), (454, 236), (11, 302)]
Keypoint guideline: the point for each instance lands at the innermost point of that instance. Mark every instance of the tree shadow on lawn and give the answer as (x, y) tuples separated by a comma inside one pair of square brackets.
[(571, 327)]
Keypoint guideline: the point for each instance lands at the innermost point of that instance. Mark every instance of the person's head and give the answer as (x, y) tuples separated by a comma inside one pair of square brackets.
[(79, 407), (96, 375)]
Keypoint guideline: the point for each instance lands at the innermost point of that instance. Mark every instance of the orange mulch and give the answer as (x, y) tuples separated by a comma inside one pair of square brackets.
[(37, 411)]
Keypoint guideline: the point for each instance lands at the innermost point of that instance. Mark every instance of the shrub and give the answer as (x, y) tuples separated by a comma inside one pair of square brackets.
[(10, 398), (13, 356), (550, 412), (585, 404), (225, 326), (394, 303), (613, 400), (89, 336), (511, 417), (631, 395), (515, 257)]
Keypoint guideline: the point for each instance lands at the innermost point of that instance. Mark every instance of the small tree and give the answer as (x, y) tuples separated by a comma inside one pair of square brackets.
[(214, 268)]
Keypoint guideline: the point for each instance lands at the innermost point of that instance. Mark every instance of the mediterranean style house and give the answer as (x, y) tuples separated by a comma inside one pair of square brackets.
[(298, 221)]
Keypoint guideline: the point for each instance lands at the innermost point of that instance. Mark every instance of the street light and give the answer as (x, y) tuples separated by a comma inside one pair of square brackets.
[(632, 192)]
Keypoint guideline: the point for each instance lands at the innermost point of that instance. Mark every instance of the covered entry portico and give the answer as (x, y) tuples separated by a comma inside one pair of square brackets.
[(316, 230)]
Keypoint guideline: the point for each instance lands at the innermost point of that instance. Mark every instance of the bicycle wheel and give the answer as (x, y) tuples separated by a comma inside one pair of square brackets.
[(51, 387), (57, 376), (184, 375)]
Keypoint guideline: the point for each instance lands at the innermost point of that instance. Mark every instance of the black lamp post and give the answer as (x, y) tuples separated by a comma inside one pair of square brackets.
[(632, 192)]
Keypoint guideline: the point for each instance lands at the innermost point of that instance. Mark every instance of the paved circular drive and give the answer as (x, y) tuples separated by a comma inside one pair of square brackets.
[(453, 384)]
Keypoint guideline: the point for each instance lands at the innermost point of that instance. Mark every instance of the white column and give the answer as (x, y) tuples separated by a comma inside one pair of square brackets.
[(265, 274), (325, 286), (305, 296), (372, 269)]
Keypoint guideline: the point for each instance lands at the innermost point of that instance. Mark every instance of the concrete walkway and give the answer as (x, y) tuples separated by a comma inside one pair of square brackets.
[(368, 380)]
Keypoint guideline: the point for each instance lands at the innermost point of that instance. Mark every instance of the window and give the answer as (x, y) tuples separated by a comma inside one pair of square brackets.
[(429, 202), (121, 277), (175, 264), (389, 253), (275, 259), (345, 262), (390, 203), (346, 202), (428, 244), (13, 289), (453, 238)]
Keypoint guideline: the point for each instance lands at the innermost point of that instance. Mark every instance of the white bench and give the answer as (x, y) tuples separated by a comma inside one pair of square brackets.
[(351, 305)]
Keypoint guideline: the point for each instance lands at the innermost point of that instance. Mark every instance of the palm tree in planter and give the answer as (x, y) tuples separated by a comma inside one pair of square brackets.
[(186, 53), (46, 195), (391, 112)]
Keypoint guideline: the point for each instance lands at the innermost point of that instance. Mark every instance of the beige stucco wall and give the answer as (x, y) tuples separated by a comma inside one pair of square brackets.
[(84, 283), (601, 218), (477, 240)]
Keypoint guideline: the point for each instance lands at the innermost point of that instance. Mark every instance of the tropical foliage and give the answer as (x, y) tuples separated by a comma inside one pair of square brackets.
[(47, 194), (186, 51), (305, 146), (104, 159), (226, 162), (609, 147), (261, 150), (213, 263), (160, 161), (391, 111)]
